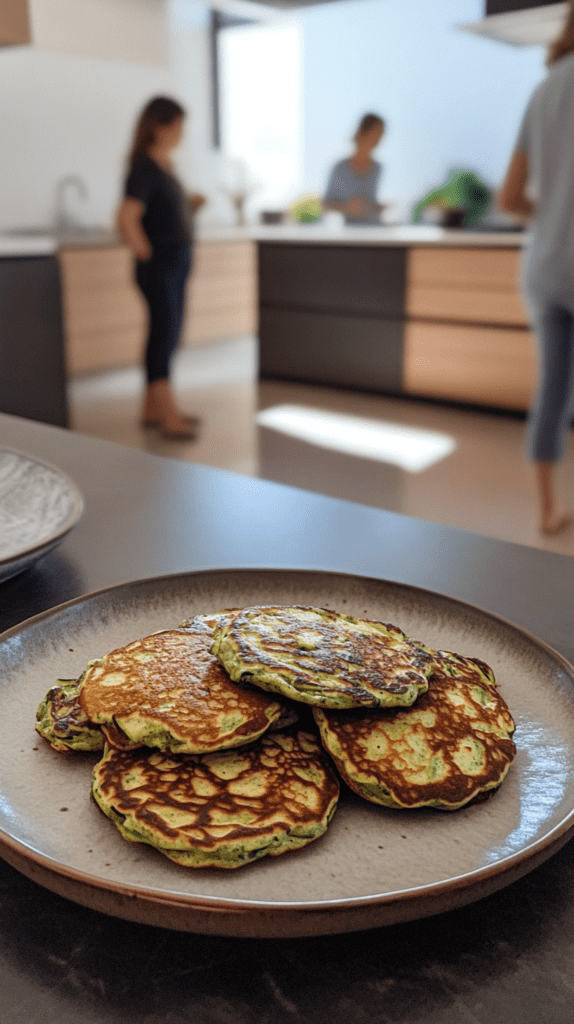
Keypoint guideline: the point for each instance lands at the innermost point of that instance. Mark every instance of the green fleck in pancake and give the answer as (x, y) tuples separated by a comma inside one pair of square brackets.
[(323, 658), (168, 691), (224, 809), (61, 721), (452, 746)]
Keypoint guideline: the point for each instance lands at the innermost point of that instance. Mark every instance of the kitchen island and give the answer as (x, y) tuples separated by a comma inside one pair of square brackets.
[(505, 958), (412, 310)]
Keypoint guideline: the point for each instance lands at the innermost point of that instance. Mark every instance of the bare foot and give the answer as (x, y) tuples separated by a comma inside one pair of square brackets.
[(555, 523), (179, 427), (156, 421)]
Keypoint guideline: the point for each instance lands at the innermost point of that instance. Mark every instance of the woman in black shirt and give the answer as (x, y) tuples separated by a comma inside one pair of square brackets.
[(155, 221)]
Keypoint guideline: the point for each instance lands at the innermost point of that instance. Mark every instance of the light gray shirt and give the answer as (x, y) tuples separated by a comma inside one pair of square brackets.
[(345, 183), (547, 137)]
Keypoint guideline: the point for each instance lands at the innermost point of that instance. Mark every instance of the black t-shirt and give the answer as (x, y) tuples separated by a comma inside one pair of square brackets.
[(167, 219)]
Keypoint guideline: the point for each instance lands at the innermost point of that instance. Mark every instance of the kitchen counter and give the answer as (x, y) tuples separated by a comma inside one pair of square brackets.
[(505, 958), (305, 234), (414, 310), (406, 235), (26, 245), (45, 240), (410, 309), (96, 239)]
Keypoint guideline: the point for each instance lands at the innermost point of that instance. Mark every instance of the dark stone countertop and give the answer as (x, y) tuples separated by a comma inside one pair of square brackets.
[(506, 958)]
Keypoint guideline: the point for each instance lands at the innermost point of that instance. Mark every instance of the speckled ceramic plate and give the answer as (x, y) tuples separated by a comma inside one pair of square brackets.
[(39, 505), (374, 866)]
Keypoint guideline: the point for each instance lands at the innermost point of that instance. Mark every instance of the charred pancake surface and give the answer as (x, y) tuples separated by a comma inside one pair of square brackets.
[(323, 658), (224, 809), (168, 691), (451, 746), (61, 721)]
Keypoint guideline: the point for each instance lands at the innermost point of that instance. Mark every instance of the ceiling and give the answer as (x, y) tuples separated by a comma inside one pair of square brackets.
[(528, 27)]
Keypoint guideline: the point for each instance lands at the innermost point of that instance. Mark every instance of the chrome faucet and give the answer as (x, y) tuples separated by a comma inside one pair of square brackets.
[(64, 220)]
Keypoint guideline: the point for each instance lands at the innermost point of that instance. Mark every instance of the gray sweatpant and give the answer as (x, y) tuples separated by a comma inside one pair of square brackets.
[(551, 414)]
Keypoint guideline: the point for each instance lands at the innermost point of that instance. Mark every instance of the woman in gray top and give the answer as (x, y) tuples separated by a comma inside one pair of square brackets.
[(539, 186), (353, 183)]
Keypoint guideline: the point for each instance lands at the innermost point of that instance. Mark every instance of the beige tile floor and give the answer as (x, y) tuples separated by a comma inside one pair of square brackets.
[(484, 485)]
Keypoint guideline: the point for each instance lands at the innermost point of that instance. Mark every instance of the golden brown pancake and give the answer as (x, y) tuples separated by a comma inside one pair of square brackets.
[(168, 691), (225, 809), (323, 658), (450, 747)]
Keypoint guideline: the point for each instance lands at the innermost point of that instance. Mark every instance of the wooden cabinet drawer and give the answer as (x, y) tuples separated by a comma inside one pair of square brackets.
[(464, 268), (96, 267), (217, 260), (103, 309), (14, 22), (106, 316), (105, 350), (489, 366), (207, 293), (442, 302), (219, 323)]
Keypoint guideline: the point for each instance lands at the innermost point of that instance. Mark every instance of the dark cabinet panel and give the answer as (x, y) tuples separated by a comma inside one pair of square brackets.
[(32, 372), (362, 280), (504, 6), (349, 351)]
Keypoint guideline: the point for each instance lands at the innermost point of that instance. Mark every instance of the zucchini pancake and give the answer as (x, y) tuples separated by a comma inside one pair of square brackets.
[(167, 691), (290, 712), (322, 657), (225, 809), (236, 774), (61, 721), (451, 747)]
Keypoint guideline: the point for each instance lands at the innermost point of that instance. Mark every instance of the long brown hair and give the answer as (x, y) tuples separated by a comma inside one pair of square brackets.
[(564, 42), (159, 111)]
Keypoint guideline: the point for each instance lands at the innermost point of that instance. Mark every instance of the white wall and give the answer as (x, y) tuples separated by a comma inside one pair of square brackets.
[(63, 114), (132, 30), (451, 99)]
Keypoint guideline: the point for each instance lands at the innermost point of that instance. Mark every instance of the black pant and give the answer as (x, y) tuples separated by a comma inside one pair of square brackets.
[(162, 281)]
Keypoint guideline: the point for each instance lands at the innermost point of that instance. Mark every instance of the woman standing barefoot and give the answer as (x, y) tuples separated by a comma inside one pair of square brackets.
[(155, 221), (544, 158)]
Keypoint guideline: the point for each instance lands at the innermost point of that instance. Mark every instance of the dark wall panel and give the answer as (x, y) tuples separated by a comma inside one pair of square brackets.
[(353, 352)]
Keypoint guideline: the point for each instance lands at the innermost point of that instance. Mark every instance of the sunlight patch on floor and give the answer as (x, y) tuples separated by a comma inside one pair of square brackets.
[(411, 448)]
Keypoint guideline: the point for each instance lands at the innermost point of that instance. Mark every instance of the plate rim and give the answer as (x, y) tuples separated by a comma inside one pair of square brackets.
[(72, 519), (515, 865)]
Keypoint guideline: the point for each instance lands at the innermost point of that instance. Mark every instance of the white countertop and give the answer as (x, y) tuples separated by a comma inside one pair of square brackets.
[(27, 245), (299, 234), (407, 235)]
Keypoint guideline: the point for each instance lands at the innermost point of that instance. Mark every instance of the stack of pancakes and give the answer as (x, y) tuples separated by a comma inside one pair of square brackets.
[(220, 737)]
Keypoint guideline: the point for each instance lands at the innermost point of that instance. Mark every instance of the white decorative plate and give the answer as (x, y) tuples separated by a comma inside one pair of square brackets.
[(39, 505), (374, 866)]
